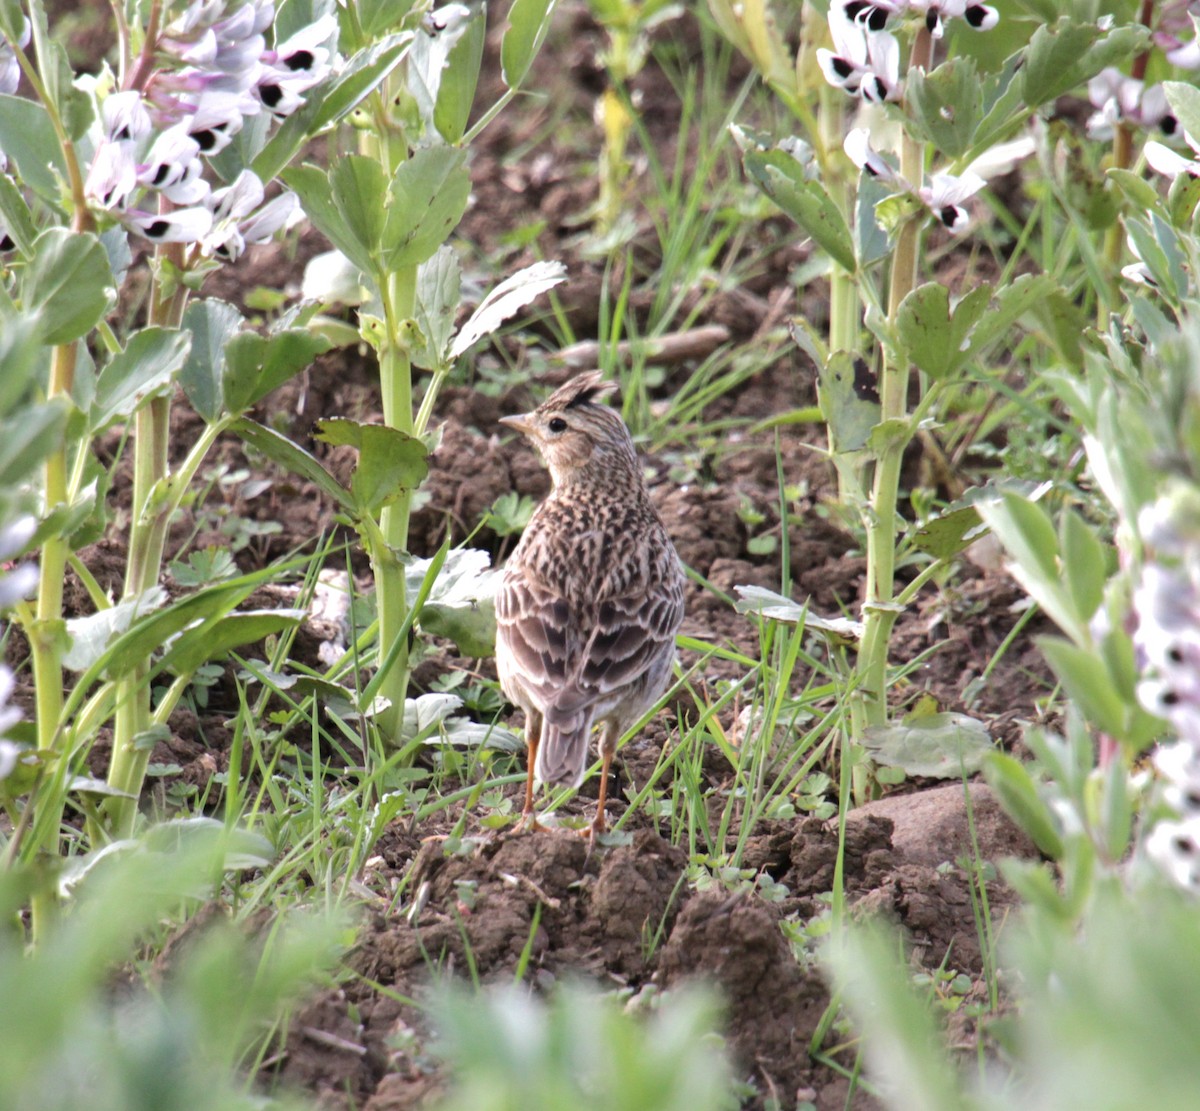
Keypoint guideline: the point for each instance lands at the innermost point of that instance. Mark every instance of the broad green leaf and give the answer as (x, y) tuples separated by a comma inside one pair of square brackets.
[(508, 297), (213, 324), (426, 63), (948, 533), (428, 196), (1165, 275), (848, 394), (279, 449), (146, 367), (359, 189), (389, 462), (1019, 796), (1182, 199), (1061, 57), (782, 178), (12, 20), (311, 185), (27, 436), (379, 15), (16, 217), (1085, 564), (1009, 303), (234, 848), (1028, 535), (439, 288), (942, 745), (778, 607), (67, 285), (27, 138), (212, 641), (461, 603), (1001, 102), (332, 101), (1087, 682), (147, 635), (871, 242), (1135, 187), (1184, 100), (889, 434), (934, 338), (255, 365), (902, 1043), (456, 94), (21, 354), (92, 635), (65, 520), (946, 104), (1064, 324), (528, 23)]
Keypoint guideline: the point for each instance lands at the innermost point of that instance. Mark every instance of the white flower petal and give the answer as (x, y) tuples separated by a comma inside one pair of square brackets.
[(185, 225), (1169, 162), (857, 146)]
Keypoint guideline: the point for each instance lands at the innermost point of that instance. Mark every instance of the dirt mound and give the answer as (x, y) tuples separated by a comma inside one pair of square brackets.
[(625, 916)]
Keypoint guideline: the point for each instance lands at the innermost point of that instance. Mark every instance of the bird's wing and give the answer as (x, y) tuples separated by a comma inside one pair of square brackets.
[(568, 660), (534, 628), (629, 635)]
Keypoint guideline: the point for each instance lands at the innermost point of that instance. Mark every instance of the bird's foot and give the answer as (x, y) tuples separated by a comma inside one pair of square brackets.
[(593, 831), (529, 823)]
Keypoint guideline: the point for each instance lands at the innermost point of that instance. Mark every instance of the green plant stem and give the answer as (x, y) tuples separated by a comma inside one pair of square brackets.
[(1122, 158), (843, 291), (152, 508), (880, 609), (395, 372)]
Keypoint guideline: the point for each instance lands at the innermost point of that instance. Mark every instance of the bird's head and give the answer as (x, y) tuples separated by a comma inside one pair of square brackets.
[(575, 434)]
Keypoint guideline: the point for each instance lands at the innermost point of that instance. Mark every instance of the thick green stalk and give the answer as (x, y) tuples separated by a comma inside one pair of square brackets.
[(1114, 239), (395, 375), (843, 291), (869, 704), (147, 543), (397, 292)]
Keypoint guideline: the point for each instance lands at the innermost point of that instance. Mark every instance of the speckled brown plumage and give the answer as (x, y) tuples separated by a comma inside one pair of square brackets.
[(592, 597)]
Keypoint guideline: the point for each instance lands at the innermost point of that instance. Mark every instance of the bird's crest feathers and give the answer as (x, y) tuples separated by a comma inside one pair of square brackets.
[(578, 392)]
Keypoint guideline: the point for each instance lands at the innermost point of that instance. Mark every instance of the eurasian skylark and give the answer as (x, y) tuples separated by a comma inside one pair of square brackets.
[(592, 596)]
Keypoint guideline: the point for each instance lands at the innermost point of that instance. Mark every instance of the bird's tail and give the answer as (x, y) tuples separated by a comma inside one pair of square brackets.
[(562, 751)]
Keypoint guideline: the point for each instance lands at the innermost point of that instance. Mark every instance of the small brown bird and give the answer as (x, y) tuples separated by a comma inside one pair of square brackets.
[(591, 598)]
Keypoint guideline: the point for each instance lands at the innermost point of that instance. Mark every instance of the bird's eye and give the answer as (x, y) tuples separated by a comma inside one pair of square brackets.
[(557, 424)]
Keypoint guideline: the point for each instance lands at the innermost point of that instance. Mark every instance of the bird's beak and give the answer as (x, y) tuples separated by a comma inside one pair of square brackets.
[(520, 422)]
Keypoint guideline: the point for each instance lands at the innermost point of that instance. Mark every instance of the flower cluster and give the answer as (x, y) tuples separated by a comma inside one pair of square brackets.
[(16, 584), (215, 72), (10, 78), (944, 194), (1174, 21), (10, 752), (1166, 600), (1126, 100), (865, 59), (10, 69)]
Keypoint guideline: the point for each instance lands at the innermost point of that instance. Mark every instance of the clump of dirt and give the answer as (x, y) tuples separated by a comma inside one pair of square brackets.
[(624, 916)]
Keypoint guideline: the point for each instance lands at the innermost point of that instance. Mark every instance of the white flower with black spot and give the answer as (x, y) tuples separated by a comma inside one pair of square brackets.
[(865, 63)]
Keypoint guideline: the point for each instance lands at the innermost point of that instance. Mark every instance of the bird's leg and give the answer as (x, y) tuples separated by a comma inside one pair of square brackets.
[(533, 736), (608, 748)]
